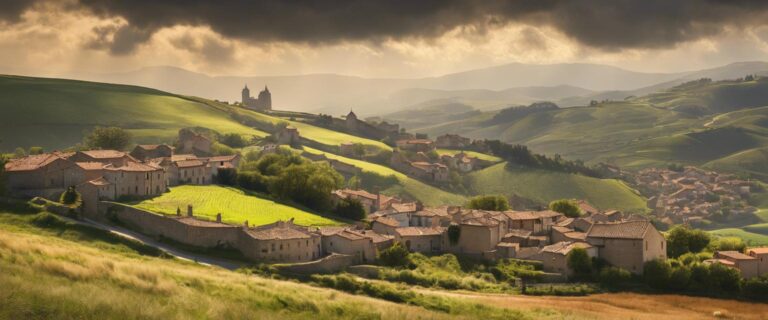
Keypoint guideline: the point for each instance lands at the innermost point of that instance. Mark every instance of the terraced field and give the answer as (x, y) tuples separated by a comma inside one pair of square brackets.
[(423, 192), (234, 205), (544, 186)]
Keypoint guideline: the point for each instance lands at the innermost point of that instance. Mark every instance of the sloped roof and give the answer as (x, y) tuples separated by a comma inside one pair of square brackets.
[(104, 154), (90, 165), (763, 250), (419, 231), (619, 230), (344, 193), (734, 255), (280, 230), (179, 157), (387, 221), (136, 167), (223, 158), (531, 215), (32, 162), (189, 163), (99, 182), (405, 207), (565, 247)]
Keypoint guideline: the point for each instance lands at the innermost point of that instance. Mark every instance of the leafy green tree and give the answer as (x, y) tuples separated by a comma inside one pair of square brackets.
[(395, 256), (722, 278), (580, 263), (309, 184), (489, 202), (350, 209), (567, 207), (19, 153), (110, 138), (233, 140), (35, 150), (227, 176), (756, 288), (656, 273), (682, 239)]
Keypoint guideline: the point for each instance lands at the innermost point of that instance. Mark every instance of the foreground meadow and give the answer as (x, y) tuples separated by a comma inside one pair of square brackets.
[(235, 206)]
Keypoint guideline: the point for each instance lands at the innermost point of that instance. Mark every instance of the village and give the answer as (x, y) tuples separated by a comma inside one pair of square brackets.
[(102, 177), (690, 195)]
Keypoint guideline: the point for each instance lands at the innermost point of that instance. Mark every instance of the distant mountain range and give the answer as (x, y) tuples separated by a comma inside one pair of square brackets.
[(487, 88)]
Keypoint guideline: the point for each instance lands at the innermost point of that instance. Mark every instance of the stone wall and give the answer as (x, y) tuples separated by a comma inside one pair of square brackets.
[(331, 264), (174, 228)]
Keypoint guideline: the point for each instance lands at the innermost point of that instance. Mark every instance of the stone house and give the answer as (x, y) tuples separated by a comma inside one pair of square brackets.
[(606, 216), (479, 235), (347, 149), (192, 171), (135, 179), (460, 161), (761, 254), (144, 152), (222, 162), (421, 239), (560, 234), (281, 241), (537, 222), (554, 257), (416, 145), (433, 217), (371, 202), (288, 135), (113, 157), (385, 225), (194, 143), (435, 172), (452, 141), (629, 244), (38, 175), (400, 212), (350, 242), (748, 265)]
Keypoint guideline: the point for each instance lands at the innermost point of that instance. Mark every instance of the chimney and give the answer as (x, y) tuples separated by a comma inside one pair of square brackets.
[(378, 201), (189, 210), (245, 223), (419, 206), (178, 211), (218, 217)]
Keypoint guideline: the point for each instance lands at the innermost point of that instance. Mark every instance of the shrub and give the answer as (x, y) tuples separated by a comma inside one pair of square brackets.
[(48, 220), (729, 244), (679, 278), (227, 176), (614, 277), (682, 239), (395, 256), (567, 207), (70, 196), (656, 273), (233, 140), (580, 263), (723, 278), (252, 180), (756, 288), (490, 202), (350, 209)]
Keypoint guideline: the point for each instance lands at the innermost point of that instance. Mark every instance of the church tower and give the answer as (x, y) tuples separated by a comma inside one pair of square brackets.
[(265, 99), (246, 95)]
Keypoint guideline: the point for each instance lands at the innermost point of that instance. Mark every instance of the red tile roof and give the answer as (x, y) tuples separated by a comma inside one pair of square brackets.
[(565, 247), (733, 255), (619, 230), (189, 163), (104, 154), (531, 215), (33, 162), (763, 250), (419, 231), (90, 165)]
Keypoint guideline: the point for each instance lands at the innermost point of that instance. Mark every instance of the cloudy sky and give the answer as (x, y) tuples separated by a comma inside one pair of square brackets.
[(374, 38)]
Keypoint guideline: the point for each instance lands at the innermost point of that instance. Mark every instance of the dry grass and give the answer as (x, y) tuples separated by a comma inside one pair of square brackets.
[(628, 306)]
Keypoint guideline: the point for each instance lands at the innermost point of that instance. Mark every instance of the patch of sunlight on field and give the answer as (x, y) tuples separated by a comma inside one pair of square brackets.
[(481, 156), (234, 205)]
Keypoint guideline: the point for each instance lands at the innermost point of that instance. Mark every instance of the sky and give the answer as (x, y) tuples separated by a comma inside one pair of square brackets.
[(374, 38)]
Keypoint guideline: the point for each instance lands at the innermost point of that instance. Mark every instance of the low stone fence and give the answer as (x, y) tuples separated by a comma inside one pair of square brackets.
[(331, 264), (185, 230)]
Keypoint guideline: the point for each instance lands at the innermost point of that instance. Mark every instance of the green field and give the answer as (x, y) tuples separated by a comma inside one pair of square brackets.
[(751, 238), (544, 186), (234, 205), (429, 195), (53, 113), (481, 156)]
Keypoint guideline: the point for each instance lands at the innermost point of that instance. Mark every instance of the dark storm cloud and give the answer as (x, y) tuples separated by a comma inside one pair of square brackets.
[(10, 10), (604, 24)]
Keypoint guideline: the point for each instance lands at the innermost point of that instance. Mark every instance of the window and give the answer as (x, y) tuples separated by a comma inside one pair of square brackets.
[(273, 247), (281, 247), (646, 245)]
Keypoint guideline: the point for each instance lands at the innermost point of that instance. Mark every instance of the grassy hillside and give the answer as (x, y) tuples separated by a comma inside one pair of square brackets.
[(57, 269), (421, 191), (53, 113), (545, 186), (481, 156), (234, 205)]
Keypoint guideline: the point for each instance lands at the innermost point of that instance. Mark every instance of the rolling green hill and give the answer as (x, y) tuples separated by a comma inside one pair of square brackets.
[(54, 113), (544, 186), (234, 205), (721, 125)]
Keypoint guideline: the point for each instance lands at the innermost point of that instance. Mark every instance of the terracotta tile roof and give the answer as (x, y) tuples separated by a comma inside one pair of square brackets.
[(565, 222), (330, 230), (135, 167), (104, 154), (508, 245), (351, 235), (148, 146), (387, 221), (619, 230), (531, 215), (405, 207), (565, 247), (189, 163), (575, 235), (33, 162), (611, 212), (90, 165), (721, 261), (733, 255), (562, 230), (419, 231), (279, 231), (179, 157), (433, 212), (518, 233), (763, 250), (586, 207), (376, 237), (344, 193)]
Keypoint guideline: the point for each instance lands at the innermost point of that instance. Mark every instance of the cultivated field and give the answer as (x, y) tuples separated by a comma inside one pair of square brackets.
[(423, 192), (234, 205), (544, 186)]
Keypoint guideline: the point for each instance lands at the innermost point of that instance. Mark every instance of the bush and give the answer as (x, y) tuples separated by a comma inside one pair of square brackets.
[(227, 176), (614, 277), (756, 288), (729, 244), (253, 180), (723, 278), (48, 220), (580, 263), (493, 203), (567, 207), (70, 196), (682, 239), (233, 140), (679, 278), (111, 138), (656, 273), (350, 209), (395, 256)]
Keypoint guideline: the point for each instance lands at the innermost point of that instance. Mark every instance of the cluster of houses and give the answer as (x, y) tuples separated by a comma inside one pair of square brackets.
[(693, 194), (146, 171), (411, 157), (752, 264)]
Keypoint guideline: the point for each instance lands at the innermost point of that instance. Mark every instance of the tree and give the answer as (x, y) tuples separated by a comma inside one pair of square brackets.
[(308, 183), (682, 239), (395, 256), (580, 263), (227, 176), (489, 202), (679, 278), (35, 150), (567, 207), (70, 196), (730, 244), (19, 153), (108, 138), (614, 277), (656, 273), (350, 209), (233, 140)]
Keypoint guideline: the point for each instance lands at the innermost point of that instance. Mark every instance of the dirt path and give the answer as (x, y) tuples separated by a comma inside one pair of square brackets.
[(625, 305)]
